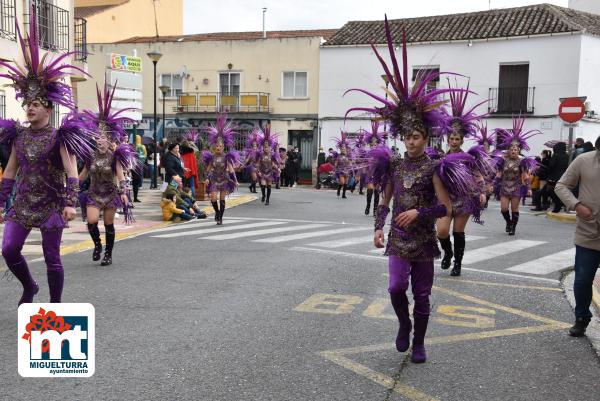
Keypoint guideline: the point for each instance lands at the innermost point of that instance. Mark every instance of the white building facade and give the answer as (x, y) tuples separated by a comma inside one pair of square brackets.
[(521, 74)]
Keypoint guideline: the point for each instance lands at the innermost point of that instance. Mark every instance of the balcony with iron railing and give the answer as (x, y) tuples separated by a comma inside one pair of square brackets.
[(216, 102), (8, 12), (518, 100), (80, 40), (53, 26)]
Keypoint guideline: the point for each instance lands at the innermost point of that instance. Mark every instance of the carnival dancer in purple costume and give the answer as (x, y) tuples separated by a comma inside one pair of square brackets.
[(458, 125), (343, 163), (359, 149), (418, 186), (486, 140), (252, 156), (512, 179), (220, 164), (373, 138), (269, 162), (44, 161), (108, 187)]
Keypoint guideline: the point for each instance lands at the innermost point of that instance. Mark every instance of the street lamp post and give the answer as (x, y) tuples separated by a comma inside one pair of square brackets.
[(164, 89), (154, 56)]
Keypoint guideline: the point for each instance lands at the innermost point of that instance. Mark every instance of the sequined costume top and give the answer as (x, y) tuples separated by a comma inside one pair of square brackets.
[(252, 161), (104, 191), (267, 167), (511, 177), (40, 195), (412, 181), (218, 177), (343, 165)]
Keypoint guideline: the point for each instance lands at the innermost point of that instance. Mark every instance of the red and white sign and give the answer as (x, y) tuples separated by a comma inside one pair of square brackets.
[(571, 110)]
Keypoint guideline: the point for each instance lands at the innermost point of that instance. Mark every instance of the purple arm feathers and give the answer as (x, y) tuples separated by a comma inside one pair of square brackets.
[(380, 159), (8, 132), (75, 137), (126, 156)]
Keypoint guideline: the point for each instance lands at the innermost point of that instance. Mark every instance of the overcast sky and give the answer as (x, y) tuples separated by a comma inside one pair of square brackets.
[(202, 16)]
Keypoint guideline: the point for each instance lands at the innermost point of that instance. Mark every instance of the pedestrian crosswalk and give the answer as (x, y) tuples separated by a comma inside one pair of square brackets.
[(531, 257)]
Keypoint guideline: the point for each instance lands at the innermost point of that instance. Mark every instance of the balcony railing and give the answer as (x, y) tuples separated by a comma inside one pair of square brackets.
[(511, 100), (53, 26), (81, 39), (214, 102), (2, 105), (7, 19)]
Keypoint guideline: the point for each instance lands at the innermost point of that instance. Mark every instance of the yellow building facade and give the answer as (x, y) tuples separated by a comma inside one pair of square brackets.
[(110, 21), (255, 80), (56, 26)]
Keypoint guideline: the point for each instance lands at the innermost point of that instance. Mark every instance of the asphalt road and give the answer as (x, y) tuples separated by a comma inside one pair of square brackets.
[(288, 302)]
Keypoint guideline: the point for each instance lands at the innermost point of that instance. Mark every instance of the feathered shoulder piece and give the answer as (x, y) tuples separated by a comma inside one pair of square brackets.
[(222, 131), (127, 157), (107, 121), (482, 137), (380, 163), (75, 135), (233, 157), (454, 172), (268, 136), (482, 162), (407, 109), (529, 164), (39, 78), (433, 153), (516, 135), (207, 157), (8, 132), (458, 120)]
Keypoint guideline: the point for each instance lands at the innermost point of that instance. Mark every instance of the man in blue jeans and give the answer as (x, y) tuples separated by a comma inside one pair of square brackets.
[(585, 171)]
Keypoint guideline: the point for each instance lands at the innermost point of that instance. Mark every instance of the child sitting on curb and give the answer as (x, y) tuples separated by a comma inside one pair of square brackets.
[(170, 210)]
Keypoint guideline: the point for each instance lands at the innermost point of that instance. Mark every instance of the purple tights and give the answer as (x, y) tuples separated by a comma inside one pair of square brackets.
[(12, 243), (421, 276)]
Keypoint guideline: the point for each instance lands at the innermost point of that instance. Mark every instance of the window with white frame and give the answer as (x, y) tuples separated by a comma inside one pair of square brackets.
[(173, 81), (295, 84)]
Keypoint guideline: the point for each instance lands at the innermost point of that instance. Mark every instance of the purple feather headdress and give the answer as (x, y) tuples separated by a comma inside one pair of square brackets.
[(39, 79), (458, 120), (407, 109), (374, 134), (482, 136), (107, 120), (192, 135), (342, 141), (266, 136), (516, 136), (253, 137), (222, 131), (359, 142)]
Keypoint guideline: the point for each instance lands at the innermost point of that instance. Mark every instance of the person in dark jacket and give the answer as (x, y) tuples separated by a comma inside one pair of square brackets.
[(172, 163), (556, 168)]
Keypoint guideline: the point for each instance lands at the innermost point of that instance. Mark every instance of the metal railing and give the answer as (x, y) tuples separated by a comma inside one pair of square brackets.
[(53, 26), (212, 102), (2, 104), (511, 100), (8, 9), (80, 42)]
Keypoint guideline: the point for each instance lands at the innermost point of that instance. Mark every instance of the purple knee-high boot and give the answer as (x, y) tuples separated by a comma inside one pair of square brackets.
[(418, 354), (12, 243), (399, 270), (55, 272), (422, 281)]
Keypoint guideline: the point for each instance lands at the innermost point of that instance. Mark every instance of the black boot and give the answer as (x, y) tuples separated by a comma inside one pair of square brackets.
[(95, 234), (221, 212), (459, 251), (513, 224), (268, 195), (110, 242), (578, 329), (506, 215), (339, 189), (215, 206), (375, 201), (369, 197), (446, 244), (262, 191), (344, 190)]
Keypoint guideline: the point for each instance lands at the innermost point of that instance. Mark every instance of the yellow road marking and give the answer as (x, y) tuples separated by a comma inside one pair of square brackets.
[(528, 287), (466, 319), (334, 304)]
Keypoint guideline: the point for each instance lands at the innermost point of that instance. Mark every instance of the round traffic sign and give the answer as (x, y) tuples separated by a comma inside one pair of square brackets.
[(571, 110)]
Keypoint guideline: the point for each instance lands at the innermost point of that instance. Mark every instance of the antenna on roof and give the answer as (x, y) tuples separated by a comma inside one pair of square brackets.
[(489, 4), (264, 31)]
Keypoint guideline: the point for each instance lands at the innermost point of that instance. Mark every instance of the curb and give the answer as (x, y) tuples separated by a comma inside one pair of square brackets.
[(593, 331), (563, 217)]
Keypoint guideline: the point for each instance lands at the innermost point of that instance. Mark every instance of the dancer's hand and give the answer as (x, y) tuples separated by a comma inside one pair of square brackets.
[(124, 199), (379, 239), (69, 213), (405, 219), (482, 199)]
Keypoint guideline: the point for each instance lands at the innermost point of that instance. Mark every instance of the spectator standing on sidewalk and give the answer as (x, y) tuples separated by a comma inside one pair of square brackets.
[(190, 164), (578, 149), (297, 165), (556, 168), (585, 171), (172, 163)]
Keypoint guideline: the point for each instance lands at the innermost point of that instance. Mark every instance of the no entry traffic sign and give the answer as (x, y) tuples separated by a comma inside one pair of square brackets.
[(571, 109)]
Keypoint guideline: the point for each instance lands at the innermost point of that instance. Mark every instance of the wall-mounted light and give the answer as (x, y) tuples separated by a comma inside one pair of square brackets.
[(230, 66), (470, 43), (259, 77), (205, 81)]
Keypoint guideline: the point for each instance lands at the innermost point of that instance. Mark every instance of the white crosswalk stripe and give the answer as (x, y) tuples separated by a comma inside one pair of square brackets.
[(498, 250), (216, 229), (296, 237), (344, 242), (547, 264), (194, 224), (268, 231)]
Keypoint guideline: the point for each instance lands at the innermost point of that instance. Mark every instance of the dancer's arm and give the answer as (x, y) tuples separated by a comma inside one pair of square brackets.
[(70, 165), (121, 181), (381, 214), (8, 180), (83, 175)]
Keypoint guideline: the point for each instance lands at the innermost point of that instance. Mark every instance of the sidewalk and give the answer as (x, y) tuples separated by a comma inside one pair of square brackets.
[(147, 214), (562, 216)]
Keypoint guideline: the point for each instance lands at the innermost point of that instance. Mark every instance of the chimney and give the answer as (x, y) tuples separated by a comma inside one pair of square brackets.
[(264, 29)]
